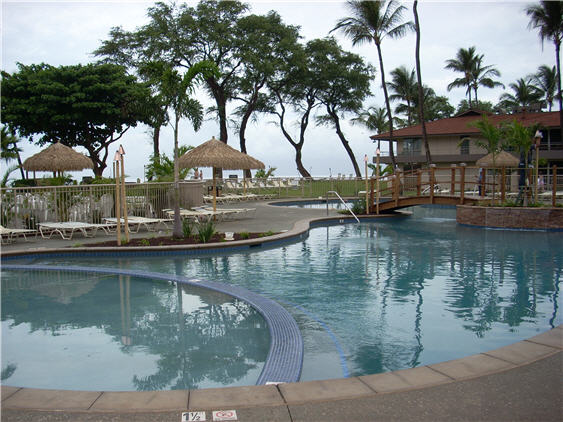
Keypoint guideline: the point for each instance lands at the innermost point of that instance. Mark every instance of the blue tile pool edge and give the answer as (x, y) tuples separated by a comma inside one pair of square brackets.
[(284, 361)]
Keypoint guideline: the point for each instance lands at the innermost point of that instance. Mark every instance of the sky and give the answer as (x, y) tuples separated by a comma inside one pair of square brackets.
[(67, 32)]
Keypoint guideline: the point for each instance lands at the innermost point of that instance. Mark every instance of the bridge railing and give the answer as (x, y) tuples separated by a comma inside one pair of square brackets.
[(495, 184)]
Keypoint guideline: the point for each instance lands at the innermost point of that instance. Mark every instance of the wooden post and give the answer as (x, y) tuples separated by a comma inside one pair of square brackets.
[(462, 185), (377, 175), (452, 184), (553, 185), (117, 200), (418, 182), (371, 195), (124, 199), (367, 196), (397, 192), (502, 184)]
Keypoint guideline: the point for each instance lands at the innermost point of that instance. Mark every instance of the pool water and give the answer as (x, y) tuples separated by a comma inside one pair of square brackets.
[(65, 330), (393, 293), (334, 204)]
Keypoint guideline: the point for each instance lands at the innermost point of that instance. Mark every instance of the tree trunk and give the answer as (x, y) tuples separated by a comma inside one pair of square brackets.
[(557, 48), (242, 137), (177, 231), (388, 106), (344, 141), (220, 99), (302, 170), (156, 141), (420, 90)]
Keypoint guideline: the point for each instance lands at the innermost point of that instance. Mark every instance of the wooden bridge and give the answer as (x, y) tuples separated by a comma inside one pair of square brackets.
[(452, 187)]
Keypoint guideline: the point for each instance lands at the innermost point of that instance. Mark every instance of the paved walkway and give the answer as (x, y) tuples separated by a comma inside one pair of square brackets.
[(520, 382)]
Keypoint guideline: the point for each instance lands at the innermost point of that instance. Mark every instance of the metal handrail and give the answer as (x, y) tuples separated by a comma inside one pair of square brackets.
[(344, 203)]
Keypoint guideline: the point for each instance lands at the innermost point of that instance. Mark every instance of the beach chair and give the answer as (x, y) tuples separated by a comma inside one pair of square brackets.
[(67, 229), (8, 235)]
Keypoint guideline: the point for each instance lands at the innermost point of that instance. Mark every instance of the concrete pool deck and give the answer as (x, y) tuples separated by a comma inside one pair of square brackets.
[(522, 381)]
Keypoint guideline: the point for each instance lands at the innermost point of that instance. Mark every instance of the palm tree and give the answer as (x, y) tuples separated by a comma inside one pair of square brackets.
[(546, 79), (483, 76), (10, 150), (547, 18), (525, 95), (463, 63), (420, 90), (404, 88), (372, 21), (374, 118)]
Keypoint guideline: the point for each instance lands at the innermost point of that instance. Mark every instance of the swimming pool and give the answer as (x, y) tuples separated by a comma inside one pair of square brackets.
[(335, 204), (393, 293)]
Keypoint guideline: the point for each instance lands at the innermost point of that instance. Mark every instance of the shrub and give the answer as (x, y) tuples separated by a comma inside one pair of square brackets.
[(187, 227), (206, 231), (144, 242), (244, 235)]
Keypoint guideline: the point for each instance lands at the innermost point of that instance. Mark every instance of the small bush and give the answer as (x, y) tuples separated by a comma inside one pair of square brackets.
[(206, 231), (244, 235), (144, 242), (268, 233), (187, 227)]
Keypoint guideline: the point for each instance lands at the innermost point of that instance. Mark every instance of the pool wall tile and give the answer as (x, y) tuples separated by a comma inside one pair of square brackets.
[(233, 397), (405, 379), (142, 400), (324, 390), (471, 366), (31, 398)]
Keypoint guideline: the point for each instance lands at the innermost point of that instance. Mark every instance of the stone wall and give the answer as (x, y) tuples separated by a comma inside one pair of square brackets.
[(511, 217)]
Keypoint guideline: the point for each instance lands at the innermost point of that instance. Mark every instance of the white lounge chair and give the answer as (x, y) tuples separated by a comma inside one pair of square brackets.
[(8, 235), (66, 229)]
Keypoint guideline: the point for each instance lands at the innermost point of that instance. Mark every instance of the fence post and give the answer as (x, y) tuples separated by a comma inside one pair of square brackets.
[(502, 184), (418, 182), (553, 185)]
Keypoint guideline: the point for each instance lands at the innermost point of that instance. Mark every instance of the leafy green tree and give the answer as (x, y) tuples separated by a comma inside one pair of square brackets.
[(91, 105), (437, 107), (519, 137), (294, 88), (265, 42), (546, 80), (547, 18), (463, 106), (526, 94), (263, 174), (372, 21), (344, 84)]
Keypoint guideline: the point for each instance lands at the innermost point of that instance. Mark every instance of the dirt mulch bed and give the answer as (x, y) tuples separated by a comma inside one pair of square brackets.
[(169, 240)]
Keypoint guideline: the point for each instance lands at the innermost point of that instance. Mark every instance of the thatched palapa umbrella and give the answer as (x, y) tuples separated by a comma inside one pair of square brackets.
[(217, 154), (502, 159), (58, 158)]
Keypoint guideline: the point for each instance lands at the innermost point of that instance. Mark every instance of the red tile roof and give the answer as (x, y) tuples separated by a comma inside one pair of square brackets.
[(460, 125)]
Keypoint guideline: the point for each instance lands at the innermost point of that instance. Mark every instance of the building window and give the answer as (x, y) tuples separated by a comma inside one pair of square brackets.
[(412, 146), (464, 146)]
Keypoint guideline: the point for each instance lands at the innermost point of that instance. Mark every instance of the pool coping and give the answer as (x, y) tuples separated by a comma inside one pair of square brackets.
[(499, 360)]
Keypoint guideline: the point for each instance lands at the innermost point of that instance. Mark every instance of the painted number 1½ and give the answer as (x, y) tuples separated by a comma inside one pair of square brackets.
[(193, 416)]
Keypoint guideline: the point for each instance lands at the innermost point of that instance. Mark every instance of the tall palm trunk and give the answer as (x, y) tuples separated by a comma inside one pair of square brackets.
[(420, 90), (557, 48), (388, 106)]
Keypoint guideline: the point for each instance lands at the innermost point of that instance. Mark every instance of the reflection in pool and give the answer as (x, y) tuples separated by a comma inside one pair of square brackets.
[(88, 331), (393, 293)]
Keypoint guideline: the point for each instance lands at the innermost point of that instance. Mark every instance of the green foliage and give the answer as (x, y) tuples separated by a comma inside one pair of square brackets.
[(359, 207), (519, 137), (144, 242), (102, 181), (86, 105), (206, 231), (491, 133), (463, 106), (161, 168), (266, 234), (262, 174), (187, 227), (244, 235)]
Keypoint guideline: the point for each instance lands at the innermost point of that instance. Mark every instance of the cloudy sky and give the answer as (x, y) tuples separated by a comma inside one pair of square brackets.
[(66, 33)]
